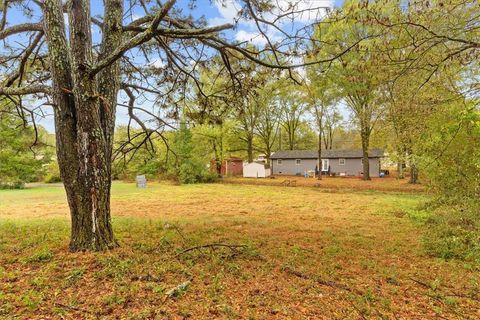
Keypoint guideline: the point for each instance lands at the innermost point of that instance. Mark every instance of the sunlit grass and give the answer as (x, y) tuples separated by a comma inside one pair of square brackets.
[(365, 241)]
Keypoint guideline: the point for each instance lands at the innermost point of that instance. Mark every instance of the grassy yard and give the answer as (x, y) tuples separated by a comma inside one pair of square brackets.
[(388, 184), (309, 253)]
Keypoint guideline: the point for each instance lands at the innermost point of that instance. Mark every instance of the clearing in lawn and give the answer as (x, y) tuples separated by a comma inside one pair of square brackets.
[(299, 253)]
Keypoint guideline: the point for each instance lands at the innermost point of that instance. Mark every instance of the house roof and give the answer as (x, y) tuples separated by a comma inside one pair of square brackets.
[(326, 154)]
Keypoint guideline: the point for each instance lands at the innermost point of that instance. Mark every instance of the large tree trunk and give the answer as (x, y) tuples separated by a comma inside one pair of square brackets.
[(84, 119), (365, 145)]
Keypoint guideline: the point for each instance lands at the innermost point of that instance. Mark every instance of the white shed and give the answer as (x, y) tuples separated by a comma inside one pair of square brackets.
[(255, 170)]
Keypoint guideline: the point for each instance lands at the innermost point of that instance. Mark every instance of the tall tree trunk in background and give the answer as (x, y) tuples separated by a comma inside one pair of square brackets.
[(400, 172), (84, 118), (319, 177), (250, 147), (413, 174), (365, 133), (330, 138), (267, 156), (291, 139), (218, 159), (280, 139)]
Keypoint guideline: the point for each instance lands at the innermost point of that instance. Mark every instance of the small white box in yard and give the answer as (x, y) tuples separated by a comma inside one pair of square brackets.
[(141, 181)]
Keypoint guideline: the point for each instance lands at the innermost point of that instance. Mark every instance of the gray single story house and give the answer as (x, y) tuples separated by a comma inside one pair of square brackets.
[(334, 162)]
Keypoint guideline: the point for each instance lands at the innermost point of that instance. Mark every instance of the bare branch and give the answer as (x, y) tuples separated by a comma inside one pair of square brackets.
[(26, 27)]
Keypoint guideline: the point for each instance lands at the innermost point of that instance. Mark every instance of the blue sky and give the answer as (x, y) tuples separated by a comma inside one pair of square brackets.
[(215, 14)]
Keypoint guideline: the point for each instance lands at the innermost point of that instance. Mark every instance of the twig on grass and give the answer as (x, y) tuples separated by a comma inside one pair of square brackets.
[(446, 294), (176, 291), (65, 306), (232, 247), (176, 228), (360, 312), (327, 283)]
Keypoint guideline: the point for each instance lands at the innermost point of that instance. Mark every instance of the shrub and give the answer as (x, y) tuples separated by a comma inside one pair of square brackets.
[(451, 161), (454, 233), (12, 185), (53, 173)]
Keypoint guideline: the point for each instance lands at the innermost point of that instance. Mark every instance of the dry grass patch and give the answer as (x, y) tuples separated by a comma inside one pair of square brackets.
[(309, 254), (388, 184)]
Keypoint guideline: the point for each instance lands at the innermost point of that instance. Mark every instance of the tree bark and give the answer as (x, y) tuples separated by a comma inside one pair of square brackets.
[(400, 172), (218, 160), (250, 148), (365, 145), (267, 157), (84, 121), (413, 174), (330, 138), (319, 177)]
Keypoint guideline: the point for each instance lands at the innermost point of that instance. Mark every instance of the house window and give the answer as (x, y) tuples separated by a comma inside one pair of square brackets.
[(298, 162), (341, 162), (279, 162)]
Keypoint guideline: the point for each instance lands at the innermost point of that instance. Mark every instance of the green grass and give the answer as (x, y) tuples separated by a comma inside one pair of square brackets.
[(364, 241)]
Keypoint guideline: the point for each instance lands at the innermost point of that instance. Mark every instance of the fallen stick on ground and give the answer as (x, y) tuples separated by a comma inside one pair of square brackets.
[(176, 291), (65, 306), (232, 247), (328, 283)]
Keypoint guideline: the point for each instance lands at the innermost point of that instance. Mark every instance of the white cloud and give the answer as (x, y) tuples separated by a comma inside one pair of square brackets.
[(301, 11), (257, 38), (228, 12), (158, 63), (306, 11), (252, 37)]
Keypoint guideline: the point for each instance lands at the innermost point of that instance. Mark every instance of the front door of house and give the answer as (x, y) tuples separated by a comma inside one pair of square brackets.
[(325, 165)]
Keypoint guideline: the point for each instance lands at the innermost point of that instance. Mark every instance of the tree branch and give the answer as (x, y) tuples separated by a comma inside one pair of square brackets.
[(25, 27), (18, 91)]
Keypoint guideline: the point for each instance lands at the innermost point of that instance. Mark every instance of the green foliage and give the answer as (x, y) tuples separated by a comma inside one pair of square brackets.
[(52, 173), (454, 232), (450, 158), (18, 162), (188, 167), (137, 157)]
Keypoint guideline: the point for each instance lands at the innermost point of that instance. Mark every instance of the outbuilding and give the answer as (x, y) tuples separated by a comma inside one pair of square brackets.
[(255, 170)]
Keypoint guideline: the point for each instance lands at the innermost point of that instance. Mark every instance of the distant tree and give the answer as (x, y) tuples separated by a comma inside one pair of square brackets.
[(358, 75), (20, 161), (268, 124), (188, 167), (333, 120), (293, 109), (321, 97)]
